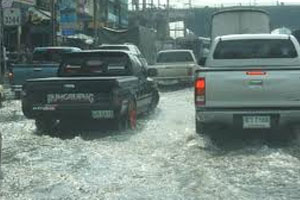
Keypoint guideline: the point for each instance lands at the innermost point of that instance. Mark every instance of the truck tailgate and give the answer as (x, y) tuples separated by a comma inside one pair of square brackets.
[(252, 88), (174, 70), (78, 91)]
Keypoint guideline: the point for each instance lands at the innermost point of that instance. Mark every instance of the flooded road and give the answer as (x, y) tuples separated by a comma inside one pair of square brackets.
[(162, 159)]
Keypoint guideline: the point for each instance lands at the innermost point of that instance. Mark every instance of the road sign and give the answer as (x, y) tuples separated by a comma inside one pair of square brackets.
[(12, 17), (7, 3)]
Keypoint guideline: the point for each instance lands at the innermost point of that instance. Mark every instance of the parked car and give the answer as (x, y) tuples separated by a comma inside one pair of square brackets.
[(249, 82), (1, 95), (44, 63), (175, 67), (125, 47), (105, 85)]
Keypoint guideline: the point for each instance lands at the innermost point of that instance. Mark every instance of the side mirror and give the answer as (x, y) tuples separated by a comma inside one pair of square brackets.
[(152, 72), (202, 61)]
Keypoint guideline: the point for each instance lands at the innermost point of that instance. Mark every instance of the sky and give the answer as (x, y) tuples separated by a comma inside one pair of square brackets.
[(217, 3)]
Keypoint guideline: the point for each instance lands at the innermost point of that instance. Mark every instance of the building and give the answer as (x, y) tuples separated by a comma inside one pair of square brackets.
[(83, 18)]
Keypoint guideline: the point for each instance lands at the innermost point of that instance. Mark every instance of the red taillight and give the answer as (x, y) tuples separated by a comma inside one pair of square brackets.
[(256, 73), (10, 76), (200, 91)]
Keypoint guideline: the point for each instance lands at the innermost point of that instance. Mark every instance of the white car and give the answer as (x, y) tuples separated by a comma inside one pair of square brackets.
[(126, 47), (175, 67), (249, 82), (1, 95)]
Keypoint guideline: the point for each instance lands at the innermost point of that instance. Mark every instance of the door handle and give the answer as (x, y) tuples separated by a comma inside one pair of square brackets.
[(37, 69)]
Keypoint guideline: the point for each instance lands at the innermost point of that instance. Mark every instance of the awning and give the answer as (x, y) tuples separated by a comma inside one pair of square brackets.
[(37, 15), (87, 39)]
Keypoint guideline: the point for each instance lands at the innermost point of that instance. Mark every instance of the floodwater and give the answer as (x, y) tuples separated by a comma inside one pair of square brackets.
[(163, 159)]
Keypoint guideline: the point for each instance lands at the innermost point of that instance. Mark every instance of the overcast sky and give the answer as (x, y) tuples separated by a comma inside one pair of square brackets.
[(184, 3)]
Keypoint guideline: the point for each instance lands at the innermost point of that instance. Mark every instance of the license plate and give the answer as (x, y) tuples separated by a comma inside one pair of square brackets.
[(256, 122), (103, 114)]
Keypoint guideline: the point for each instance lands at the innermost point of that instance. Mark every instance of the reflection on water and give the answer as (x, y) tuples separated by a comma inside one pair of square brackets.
[(162, 159)]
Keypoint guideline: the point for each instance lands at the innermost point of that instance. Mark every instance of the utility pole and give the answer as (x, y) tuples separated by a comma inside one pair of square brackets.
[(53, 22), (2, 59), (95, 21)]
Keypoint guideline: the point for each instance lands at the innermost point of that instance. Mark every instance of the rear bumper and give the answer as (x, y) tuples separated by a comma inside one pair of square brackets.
[(84, 112), (279, 117)]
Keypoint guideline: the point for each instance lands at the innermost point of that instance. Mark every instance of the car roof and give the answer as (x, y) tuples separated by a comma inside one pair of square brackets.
[(175, 50), (101, 51), (253, 36), (56, 48)]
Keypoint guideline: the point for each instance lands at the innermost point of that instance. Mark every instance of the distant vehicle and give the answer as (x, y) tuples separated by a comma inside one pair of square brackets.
[(1, 95), (249, 81), (239, 21), (175, 67), (126, 47), (44, 63), (105, 85)]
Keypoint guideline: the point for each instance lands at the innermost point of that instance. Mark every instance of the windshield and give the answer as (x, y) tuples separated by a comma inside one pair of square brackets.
[(250, 49), (91, 65), (49, 55), (114, 47), (171, 57)]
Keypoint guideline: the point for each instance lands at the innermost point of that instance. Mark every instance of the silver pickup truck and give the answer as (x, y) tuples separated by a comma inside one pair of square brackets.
[(249, 81), (174, 67)]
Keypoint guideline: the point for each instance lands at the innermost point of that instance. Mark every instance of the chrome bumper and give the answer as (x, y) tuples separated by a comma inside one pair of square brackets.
[(230, 117)]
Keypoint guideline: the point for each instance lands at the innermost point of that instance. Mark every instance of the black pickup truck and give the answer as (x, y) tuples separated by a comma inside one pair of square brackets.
[(102, 85)]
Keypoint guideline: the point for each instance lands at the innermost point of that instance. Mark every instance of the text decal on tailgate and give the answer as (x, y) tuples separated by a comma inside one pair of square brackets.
[(70, 97)]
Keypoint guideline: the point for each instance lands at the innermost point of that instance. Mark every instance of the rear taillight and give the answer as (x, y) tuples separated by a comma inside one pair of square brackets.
[(200, 91), (256, 73), (10, 76)]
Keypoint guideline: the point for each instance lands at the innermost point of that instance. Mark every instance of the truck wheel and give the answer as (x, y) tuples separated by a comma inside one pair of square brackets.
[(131, 115), (155, 100), (200, 128), (204, 129), (45, 125)]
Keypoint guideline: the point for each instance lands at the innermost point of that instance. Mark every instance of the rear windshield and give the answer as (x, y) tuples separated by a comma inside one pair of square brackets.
[(247, 49), (95, 65), (170, 57), (49, 55), (114, 47)]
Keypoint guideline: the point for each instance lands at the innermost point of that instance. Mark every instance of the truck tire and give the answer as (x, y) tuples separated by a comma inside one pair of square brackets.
[(131, 117), (45, 125), (200, 128), (154, 101), (128, 120), (204, 129)]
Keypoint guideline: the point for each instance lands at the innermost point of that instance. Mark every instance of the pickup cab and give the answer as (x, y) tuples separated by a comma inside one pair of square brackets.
[(175, 67), (45, 62), (249, 82), (104, 85)]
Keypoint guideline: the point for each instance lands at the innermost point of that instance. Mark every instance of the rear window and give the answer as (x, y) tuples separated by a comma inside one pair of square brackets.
[(248, 49), (49, 55), (170, 57), (114, 47), (95, 65)]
